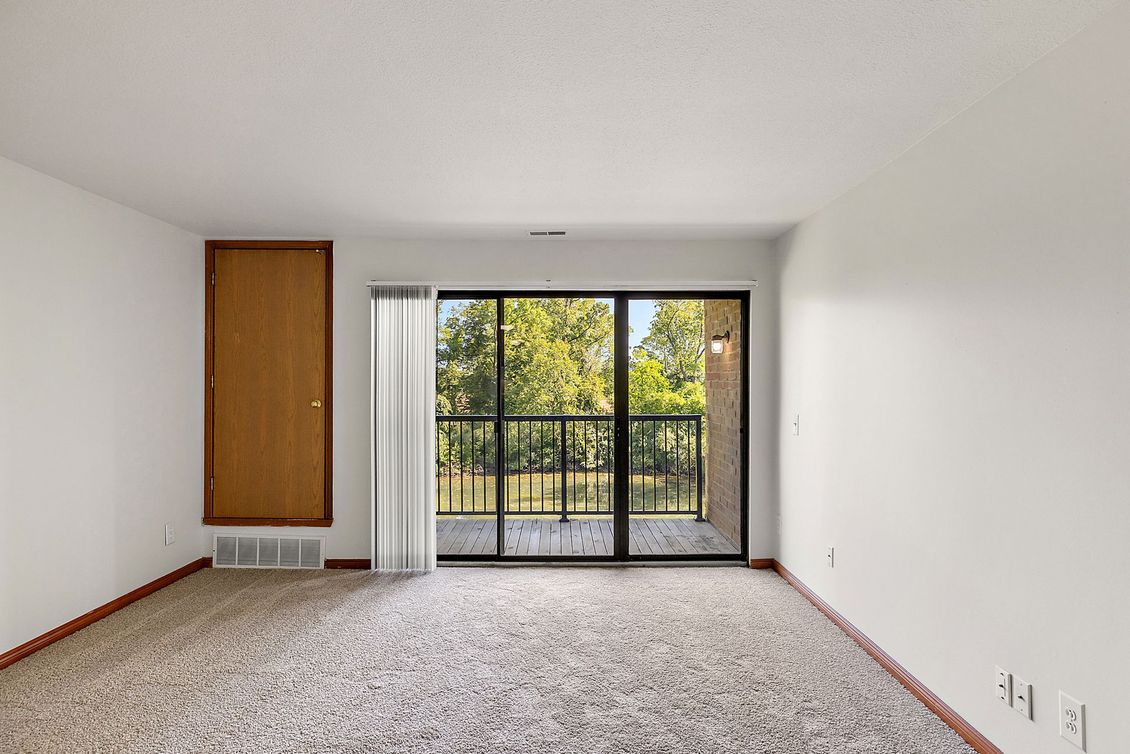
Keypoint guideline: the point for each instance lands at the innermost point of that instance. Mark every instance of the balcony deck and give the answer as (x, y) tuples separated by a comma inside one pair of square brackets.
[(583, 535)]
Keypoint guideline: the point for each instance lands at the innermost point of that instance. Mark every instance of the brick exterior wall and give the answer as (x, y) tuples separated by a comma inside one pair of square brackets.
[(723, 492)]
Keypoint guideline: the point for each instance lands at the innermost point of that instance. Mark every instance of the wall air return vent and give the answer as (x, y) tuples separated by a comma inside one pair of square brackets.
[(268, 552)]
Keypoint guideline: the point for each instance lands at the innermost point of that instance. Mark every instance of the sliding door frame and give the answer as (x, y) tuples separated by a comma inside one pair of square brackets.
[(621, 368), (622, 479)]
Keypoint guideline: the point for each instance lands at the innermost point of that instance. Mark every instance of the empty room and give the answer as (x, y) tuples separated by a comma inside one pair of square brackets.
[(497, 377)]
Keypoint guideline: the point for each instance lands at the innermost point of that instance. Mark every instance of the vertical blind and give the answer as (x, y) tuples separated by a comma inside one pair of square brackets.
[(403, 427)]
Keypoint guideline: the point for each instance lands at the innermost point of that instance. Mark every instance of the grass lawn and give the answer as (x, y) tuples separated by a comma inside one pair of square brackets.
[(540, 492)]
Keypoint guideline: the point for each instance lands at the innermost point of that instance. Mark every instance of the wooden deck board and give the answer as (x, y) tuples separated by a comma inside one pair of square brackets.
[(542, 536)]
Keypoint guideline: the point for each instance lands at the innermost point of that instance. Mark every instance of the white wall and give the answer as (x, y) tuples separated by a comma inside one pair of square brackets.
[(101, 356), (357, 261), (956, 338)]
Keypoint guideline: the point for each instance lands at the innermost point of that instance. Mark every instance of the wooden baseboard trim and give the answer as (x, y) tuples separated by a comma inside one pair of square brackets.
[(98, 613), (761, 563), (946, 713), (361, 563)]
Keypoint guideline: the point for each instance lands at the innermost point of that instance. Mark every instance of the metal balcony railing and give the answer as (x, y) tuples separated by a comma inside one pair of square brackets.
[(564, 464)]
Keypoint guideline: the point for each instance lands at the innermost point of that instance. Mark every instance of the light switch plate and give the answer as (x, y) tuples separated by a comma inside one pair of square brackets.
[(831, 557), (1004, 685), (1022, 697)]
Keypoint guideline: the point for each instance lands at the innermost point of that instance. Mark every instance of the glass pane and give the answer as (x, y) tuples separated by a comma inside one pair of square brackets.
[(559, 426), (466, 446), (466, 354), (684, 404)]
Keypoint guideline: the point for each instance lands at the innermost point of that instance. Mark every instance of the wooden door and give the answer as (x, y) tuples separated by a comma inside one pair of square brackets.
[(269, 454)]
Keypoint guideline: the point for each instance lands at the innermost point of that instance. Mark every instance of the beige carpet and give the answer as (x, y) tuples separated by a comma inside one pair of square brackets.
[(579, 660)]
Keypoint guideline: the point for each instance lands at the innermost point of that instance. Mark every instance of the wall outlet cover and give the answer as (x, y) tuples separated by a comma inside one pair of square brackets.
[(1072, 720), (831, 557), (170, 536)]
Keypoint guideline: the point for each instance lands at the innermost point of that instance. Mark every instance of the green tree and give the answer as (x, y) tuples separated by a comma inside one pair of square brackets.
[(558, 356), (650, 390), (465, 359), (676, 340), (667, 369)]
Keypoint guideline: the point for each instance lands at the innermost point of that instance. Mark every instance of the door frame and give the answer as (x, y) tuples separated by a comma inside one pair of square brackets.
[(621, 354), (210, 247), (623, 508)]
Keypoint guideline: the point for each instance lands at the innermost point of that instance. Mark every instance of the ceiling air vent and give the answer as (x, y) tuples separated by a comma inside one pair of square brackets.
[(268, 552), (547, 232)]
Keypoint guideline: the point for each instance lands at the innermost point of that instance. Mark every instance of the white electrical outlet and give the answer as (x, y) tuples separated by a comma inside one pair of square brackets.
[(1004, 686), (170, 536), (831, 557), (796, 424), (1072, 720), (1022, 697)]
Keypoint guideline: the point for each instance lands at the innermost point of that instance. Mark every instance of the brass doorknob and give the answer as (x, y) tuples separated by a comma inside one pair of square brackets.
[(316, 403)]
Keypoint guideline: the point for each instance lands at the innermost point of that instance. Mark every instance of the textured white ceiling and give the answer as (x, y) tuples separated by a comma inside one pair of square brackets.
[(486, 118)]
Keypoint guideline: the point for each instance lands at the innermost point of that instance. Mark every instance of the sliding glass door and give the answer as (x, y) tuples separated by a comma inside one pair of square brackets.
[(467, 493), (558, 426), (580, 425), (686, 441)]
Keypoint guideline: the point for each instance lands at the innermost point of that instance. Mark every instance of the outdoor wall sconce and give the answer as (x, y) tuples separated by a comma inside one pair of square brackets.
[(718, 342)]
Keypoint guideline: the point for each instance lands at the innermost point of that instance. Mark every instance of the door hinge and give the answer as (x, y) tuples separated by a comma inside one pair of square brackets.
[(213, 278), (212, 382), (212, 483)]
